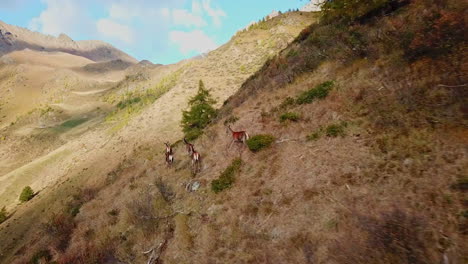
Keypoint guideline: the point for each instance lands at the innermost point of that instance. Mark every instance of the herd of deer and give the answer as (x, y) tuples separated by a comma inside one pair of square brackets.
[(237, 136)]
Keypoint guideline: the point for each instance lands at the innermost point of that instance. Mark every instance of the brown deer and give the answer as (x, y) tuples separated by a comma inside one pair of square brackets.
[(169, 154), (196, 160), (189, 147), (237, 136), (194, 155)]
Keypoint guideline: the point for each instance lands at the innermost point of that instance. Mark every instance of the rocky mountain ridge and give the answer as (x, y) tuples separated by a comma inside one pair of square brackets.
[(13, 38)]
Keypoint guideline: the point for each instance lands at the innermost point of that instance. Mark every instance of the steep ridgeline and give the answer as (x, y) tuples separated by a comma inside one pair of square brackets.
[(95, 128), (13, 38)]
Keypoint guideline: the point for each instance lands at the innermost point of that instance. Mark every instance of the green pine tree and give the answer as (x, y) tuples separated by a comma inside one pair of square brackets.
[(27, 194), (3, 215), (200, 114)]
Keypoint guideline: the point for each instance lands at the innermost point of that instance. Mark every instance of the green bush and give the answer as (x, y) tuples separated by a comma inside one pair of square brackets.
[(291, 116), (75, 210), (27, 194), (227, 178), (335, 130), (314, 136), (3, 215), (258, 142), (318, 92), (200, 115)]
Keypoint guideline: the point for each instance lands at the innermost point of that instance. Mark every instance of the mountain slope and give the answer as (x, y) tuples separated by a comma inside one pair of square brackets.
[(367, 165), (57, 156), (14, 38)]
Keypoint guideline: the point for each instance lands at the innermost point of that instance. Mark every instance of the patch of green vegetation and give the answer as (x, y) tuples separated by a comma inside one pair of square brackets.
[(27, 194), (69, 124), (75, 210), (3, 215), (132, 103), (318, 92), (290, 116), (288, 101), (349, 10), (227, 177), (200, 114), (314, 136), (335, 130), (259, 142), (332, 130), (292, 53), (44, 110), (243, 69)]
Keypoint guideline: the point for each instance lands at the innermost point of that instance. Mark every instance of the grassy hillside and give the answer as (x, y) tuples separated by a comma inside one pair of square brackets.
[(361, 158), (93, 133)]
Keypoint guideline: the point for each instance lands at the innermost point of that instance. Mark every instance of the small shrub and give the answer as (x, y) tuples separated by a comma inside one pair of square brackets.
[(27, 194), (231, 120), (41, 256), (113, 212), (289, 101), (3, 215), (291, 116), (314, 136), (335, 130), (75, 210), (318, 92), (227, 178), (258, 142)]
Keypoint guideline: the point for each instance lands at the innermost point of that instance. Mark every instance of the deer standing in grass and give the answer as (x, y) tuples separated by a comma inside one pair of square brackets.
[(237, 136), (194, 155), (169, 154)]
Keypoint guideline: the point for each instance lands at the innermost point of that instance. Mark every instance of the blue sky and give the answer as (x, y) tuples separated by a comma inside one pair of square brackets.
[(162, 31)]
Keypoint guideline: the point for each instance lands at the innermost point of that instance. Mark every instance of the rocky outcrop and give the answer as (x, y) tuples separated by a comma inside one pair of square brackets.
[(311, 6)]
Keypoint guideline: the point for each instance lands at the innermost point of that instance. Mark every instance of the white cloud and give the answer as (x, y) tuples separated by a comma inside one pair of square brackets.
[(115, 30), (165, 12), (195, 40), (185, 18), (62, 16), (196, 7), (119, 11), (215, 13)]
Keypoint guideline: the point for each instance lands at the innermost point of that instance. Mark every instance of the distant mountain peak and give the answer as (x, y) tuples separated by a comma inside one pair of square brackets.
[(13, 38)]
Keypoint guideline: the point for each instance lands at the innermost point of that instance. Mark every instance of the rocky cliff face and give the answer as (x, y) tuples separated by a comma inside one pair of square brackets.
[(311, 6), (14, 38)]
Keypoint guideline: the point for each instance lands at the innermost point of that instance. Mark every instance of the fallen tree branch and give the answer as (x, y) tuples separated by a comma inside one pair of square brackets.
[(286, 140), (452, 86)]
